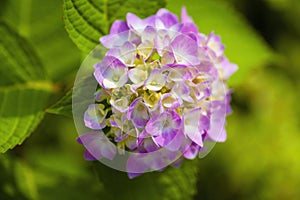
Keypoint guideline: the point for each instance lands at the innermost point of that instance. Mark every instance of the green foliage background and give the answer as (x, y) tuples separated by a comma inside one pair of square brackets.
[(42, 44)]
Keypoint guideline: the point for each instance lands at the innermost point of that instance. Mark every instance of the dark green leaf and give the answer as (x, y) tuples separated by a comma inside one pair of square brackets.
[(25, 179), (172, 183), (41, 23), (9, 186), (87, 20), (63, 106), (24, 89), (84, 82), (19, 63)]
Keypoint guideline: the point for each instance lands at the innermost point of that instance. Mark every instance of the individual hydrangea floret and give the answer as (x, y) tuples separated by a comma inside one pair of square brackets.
[(162, 88)]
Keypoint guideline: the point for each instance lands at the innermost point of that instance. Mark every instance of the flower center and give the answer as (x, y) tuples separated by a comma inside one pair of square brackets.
[(198, 79), (140, 108), (116, 78), (152, 99)]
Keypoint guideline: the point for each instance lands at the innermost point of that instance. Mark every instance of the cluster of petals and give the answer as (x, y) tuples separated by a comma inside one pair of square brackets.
[(162, 85)]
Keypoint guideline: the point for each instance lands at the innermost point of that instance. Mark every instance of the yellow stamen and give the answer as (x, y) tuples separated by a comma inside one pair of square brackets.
[(116, 78), (179, 110), (164, 90), (100, 109), (198, 79), (138, 62), (152, 98)]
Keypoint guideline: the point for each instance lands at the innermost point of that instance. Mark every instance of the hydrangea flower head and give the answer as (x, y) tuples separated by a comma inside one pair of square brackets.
[(162, 93)]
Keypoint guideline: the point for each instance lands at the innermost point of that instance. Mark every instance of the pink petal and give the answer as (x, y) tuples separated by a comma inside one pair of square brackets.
[(98, 145), (185, 50), (118, 26), (184, 16)]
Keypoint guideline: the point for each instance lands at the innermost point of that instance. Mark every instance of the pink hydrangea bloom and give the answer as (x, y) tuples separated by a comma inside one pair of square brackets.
[(162, 88)]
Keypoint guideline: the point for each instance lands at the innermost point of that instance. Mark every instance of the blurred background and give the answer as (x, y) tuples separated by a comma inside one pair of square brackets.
[(259, 160)]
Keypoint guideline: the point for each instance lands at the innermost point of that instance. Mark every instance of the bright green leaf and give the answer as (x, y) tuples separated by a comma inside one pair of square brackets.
[(243, 45), (24, 89), (87, 20)]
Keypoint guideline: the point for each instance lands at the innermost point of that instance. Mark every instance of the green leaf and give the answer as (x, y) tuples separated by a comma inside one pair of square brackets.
[(42, 25), (243, 45), (18, 60), (63, 106), (76, 100), (24, 89), (87, 20), (172, 183), (9, 186), (25, 179)]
